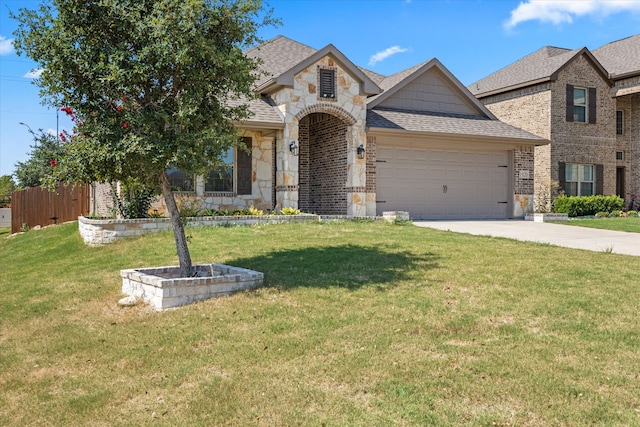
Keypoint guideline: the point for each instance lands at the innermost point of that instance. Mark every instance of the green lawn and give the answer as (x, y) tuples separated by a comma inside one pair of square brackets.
[(631, 225), (360, 323)]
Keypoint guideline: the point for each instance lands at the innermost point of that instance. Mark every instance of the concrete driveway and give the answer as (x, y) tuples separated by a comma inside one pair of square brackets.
[(567, 236)]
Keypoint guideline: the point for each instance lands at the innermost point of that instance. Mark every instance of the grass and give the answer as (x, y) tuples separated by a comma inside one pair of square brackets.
[(631, 225), (363, 324)]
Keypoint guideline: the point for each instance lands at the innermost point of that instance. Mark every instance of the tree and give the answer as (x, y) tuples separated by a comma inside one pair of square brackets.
[(46, 152), (7, 186), (147, 83)]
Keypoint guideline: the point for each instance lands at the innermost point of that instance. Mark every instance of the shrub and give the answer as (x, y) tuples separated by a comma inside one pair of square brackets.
[(602, 215), (133, 201), (632, 214), (587, 205), (189, 208), (253, 211), (290, 211)]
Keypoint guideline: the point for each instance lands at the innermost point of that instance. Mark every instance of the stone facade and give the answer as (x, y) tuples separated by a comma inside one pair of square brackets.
[(261, 185), (349, 106)]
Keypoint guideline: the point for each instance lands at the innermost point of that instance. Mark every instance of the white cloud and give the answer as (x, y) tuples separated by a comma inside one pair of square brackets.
[(51, 132), (6, 46), (381, 56), (34, 74), (564, 11)]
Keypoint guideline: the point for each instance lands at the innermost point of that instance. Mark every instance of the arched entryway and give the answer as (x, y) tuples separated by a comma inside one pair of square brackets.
[(323, 164)]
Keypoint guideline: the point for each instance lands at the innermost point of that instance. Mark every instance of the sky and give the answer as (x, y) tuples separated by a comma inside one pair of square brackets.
[(472, 38)]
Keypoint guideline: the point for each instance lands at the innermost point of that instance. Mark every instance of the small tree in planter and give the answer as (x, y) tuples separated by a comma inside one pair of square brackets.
[(147, 84)]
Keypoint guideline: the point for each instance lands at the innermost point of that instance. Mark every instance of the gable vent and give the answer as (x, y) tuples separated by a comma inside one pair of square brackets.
[(327, 83)]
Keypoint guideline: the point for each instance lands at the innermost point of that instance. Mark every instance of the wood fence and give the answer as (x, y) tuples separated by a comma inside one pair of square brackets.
[(39, 206)]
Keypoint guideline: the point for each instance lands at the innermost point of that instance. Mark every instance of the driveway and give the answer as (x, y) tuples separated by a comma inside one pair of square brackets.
[(567, 236)]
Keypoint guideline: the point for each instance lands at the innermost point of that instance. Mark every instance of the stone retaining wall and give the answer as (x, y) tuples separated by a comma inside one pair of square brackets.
[(104, 231)]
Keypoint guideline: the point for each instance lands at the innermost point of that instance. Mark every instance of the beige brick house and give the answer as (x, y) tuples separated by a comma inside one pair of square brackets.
[(587, 103), (331, 138)]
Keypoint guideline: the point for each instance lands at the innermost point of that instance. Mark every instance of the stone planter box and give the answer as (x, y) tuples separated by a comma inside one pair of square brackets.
[(546, 217), (163, 288), (104, 231)]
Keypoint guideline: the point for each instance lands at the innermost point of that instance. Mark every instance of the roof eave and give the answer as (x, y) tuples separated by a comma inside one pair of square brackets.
[(528, 142), (257, 125), (514, 87)]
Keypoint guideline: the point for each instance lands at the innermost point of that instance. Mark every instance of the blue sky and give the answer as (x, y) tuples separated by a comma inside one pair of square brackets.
[(472, 38)]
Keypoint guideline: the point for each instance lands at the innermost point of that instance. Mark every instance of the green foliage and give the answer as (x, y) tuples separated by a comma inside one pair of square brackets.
[(602, 215), (133, 201), (146, 81), (45, 156), (189, 208), (255, 212), (147, 84), (290, 211), (632, 214), (587, 205), (7, 186)]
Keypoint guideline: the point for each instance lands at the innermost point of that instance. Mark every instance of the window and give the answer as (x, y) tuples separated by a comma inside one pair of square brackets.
[(579, 180), (220, 180), (234, 174), (581, 104), (180, 181), (619, 155), (619, 122), (327, 83)]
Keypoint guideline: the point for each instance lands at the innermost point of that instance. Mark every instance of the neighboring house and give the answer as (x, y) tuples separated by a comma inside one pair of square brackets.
[(331, 138), (587, 103)]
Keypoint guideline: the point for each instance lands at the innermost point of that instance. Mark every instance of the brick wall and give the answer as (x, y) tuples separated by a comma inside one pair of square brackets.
[(584, 142), (541, 110), (322, 165)]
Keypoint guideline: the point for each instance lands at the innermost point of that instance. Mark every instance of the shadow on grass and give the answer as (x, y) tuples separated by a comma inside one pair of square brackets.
[(347, 266)]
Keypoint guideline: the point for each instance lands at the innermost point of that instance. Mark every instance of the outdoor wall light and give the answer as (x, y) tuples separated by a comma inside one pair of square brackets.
[(361, 151), (294, 147)]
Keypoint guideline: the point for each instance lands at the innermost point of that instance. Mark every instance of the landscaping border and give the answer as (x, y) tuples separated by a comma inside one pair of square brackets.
[(104, 231)]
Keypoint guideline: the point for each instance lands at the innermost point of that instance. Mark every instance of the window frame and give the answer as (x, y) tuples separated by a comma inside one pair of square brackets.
[(585, 105), (208, 177), (580, 180), (619, 122), (184, 176), (242, 171)]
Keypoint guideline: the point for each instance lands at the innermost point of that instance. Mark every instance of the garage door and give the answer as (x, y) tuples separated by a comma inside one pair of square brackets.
[(440, 184)]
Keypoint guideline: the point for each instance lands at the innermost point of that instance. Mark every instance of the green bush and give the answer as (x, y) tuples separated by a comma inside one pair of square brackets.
[(632, 214), (587, 205), (602, 215)]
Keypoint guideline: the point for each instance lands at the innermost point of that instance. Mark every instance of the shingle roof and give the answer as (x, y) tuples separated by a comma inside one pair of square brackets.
[(541, 64), (621, 57), (263, 109), (278, 55), (458, 124)]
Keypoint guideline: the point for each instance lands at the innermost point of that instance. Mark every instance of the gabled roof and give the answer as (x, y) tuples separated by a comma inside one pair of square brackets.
[(540, 66), (281, 66), (620, 58), (394, 83)]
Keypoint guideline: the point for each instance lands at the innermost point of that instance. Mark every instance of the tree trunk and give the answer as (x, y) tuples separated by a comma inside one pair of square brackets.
[(178, 227)]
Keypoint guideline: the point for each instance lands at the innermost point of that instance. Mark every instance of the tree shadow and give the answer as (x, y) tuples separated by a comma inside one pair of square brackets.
[(346, 266)]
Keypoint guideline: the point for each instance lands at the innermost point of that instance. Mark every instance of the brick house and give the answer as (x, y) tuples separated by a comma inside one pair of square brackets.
[(332, 138), (587, 103)]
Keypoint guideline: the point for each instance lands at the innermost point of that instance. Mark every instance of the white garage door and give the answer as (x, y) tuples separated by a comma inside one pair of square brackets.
[(440, 184)]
